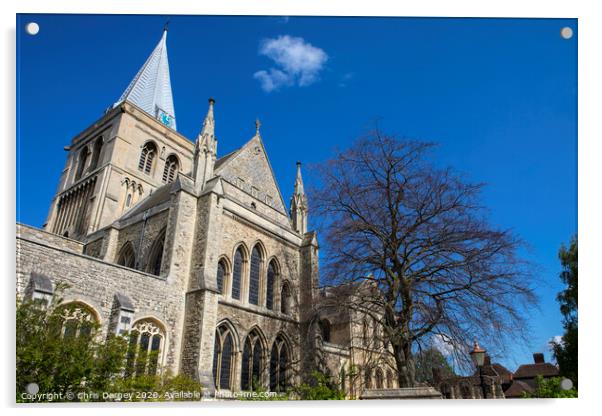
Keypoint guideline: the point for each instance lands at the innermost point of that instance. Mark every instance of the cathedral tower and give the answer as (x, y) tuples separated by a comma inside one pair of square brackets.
[(125, 155)]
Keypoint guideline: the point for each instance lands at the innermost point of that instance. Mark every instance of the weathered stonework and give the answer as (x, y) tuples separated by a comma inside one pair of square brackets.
[(136, 245)]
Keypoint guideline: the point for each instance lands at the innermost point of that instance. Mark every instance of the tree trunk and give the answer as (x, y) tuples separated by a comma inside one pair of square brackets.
[(406, 370)]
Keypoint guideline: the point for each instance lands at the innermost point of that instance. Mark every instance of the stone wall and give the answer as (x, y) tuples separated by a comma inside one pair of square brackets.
[(44, 237), (245, 198), (94, 248), (96, 282), (142, 235), (251, 164)]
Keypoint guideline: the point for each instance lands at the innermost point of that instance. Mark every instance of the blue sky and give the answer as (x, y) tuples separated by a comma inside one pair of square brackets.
[(498, 95)]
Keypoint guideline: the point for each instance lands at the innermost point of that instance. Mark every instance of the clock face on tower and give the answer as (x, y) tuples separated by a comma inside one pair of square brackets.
[(165, 118)]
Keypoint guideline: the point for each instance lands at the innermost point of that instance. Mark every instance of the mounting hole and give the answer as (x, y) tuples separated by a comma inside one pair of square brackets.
[(32, 28), (566, 32), (566, 384)]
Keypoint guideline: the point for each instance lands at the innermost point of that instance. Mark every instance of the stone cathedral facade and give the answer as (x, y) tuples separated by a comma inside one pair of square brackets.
[(193, 252)]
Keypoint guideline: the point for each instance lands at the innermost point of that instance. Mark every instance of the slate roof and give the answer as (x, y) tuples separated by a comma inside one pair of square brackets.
[(159, 196), (41, 283), (219, 162)]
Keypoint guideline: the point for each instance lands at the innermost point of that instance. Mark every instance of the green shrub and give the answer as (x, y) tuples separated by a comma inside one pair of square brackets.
[(320, 387), (62, 352), (550, 388)]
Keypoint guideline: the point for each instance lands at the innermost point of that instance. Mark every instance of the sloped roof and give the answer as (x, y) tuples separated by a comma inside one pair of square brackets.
[(159, 196), (533, 370), (517, 389), (150, 89), (503, 372), (41, 283), (219, 162)]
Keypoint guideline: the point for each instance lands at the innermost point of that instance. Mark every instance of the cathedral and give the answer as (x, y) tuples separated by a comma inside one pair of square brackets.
[(193, 253)]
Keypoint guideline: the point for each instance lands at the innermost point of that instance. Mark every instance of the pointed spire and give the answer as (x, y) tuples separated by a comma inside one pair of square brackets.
[(207, 135), (150, 90), (299, 204), (299, 181), (205, 150), (257, 127)]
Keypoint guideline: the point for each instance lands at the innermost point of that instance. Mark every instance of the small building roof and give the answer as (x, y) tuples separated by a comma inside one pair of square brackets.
[(41, 283), (517, 389), (534, 370)]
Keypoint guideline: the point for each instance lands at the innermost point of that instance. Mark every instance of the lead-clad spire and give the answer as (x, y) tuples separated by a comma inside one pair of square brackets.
[(150, 89)]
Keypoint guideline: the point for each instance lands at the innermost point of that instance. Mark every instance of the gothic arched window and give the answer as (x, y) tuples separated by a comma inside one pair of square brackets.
[(147, 156), (279, 362), (171, 169), (368, 378), (237, 273), (127, 257), (271, 281), (78, 320), (96, 153), (83, 158), (378, 377), (376, 333), (285, 299), (324, 326), (254, 276), (223, 357), (252, 363), (390, 382), (221, 276), (365, 332), (145, 348), (156, 255)]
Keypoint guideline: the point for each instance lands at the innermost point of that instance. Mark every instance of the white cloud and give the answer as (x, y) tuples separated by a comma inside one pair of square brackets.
[(557, 339), (273, 79), (345, 79), (297, 62), (444, 344)]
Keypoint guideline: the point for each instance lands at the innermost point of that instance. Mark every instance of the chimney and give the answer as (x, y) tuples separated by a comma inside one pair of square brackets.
[(487, 360), (538, 358)]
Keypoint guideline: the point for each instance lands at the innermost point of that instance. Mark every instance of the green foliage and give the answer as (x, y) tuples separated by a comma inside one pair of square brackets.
[(61, 350), (566, 352), (428, 360), (59, 354), (550, 388), (568, 298), (320, 387)]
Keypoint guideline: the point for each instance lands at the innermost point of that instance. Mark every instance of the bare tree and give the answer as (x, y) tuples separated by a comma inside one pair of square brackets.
[(419, 237)]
